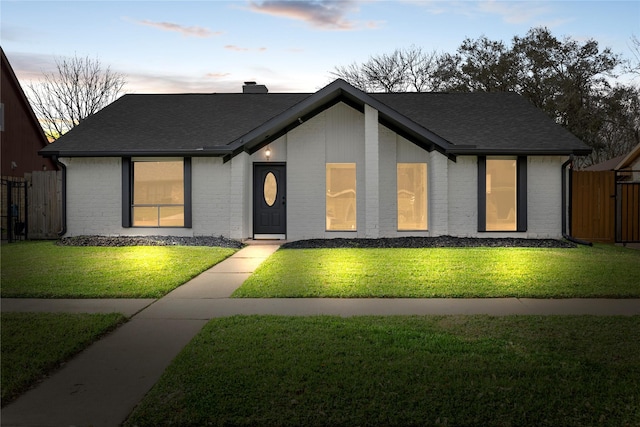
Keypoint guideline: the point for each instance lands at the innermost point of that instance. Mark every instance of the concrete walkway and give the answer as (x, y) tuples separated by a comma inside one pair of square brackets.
[(102, 385)]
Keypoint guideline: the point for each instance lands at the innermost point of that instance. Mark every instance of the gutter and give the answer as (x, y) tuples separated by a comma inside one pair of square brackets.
[(63, 168), (215, 151), (564, 204), (472, 150)]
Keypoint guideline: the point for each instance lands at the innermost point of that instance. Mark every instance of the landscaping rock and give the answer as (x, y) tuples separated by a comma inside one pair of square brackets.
[(149, 241), (398, 242), (429, 242)]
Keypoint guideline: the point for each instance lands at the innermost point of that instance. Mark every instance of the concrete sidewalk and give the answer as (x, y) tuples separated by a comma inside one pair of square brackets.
[(103, 384)]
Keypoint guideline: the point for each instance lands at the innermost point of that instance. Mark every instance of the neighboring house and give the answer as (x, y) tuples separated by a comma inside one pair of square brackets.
[(627, 166), (21, 137), (20, 133), (335, 163)]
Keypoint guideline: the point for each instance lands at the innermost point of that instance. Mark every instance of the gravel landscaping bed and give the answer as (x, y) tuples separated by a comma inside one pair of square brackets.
[(150, 241), (398, 242), (429, 242)]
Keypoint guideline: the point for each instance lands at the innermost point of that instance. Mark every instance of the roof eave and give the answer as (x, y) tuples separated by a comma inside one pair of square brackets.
[(461, 151), (208, 152)]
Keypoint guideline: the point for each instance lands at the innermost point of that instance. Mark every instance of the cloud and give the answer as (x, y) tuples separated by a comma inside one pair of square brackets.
[(159, 82), (322, 14), (31, 66), (193, 31), (511, 12), (244, 49), (217, 75)]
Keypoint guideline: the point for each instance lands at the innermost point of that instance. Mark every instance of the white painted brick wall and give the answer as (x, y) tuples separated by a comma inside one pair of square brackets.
[(463, 196), (94, 199), (94, 195), (306, 180), (438, 184), (238, 198), (544, 196), (210, 196), (387, 183)]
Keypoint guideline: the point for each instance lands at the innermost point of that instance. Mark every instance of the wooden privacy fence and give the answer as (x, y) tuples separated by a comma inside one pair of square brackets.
[(604, 207), (628, 212), (31, 207), (45, 205)]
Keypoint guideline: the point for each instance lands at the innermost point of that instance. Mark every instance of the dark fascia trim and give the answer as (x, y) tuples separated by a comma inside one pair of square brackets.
[(337, 91), (209, 152), (270, 138), (414, 137), (188, 209), (482, 193), (521, 194), (467, 150), (127, 180)]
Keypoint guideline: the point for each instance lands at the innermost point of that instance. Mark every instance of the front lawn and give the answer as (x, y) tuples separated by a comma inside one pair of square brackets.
[(34, 344), (599, 271), (45, 270), (403, 371)]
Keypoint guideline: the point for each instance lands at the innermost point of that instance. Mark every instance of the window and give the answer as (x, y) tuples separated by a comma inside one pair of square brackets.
[(156, 193), (412, 196), (502, 193), (341, 197)]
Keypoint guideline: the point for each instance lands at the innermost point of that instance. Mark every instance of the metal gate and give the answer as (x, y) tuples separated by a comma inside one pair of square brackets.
[(14, 209)]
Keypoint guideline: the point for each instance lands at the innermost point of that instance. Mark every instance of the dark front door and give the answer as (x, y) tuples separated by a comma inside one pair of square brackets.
[(269, 200)]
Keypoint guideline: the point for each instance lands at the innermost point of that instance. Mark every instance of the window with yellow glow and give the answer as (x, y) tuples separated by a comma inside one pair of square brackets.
[(501, 189), (158, 194), (412, 196), (341, 197)]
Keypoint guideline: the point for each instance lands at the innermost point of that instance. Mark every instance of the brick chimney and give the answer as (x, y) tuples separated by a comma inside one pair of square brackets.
[(252, 87)]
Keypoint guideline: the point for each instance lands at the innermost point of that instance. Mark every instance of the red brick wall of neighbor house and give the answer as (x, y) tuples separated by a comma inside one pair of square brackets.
[(21, 137)]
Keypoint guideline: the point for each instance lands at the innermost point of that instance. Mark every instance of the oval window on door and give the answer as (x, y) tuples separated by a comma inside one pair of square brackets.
[(270, 189)]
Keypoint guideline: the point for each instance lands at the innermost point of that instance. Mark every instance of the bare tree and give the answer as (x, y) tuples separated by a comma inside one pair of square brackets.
[(400, 71), (419, 69), (78, 88), (633, 66)]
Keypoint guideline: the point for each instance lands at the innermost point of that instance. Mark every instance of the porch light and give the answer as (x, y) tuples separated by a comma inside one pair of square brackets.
[(267, 153)]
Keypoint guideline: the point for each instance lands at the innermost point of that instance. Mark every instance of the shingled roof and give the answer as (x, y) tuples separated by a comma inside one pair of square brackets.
[(226, 124)]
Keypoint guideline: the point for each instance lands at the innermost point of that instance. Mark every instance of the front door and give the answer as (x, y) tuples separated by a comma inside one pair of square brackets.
[(269, 201)]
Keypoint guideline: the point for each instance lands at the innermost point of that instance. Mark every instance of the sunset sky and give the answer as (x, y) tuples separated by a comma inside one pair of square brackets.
[(291, 46)]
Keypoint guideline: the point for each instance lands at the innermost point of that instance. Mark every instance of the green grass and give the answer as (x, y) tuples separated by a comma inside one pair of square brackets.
[(33, 344), (403, 371), (599, 271), (45, 270)]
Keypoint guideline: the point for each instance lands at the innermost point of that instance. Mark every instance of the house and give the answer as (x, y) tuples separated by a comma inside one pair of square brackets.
[(335, 163), (627, 166), (21, 137), (20, 133)]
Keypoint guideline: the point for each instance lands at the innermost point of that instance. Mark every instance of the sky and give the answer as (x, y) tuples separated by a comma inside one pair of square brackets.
[(290, 46)]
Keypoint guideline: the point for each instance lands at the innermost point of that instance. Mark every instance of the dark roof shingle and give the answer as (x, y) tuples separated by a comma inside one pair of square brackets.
[(458, 123)]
